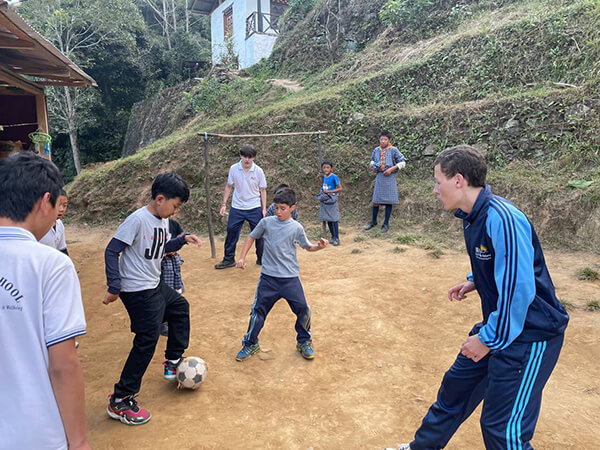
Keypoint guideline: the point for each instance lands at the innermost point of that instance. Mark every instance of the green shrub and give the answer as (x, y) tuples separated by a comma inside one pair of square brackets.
[(301, 6), (587, 273), (567, 304), (436, 254), (593, 305)]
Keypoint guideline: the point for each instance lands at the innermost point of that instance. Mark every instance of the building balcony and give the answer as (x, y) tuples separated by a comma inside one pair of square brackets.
[(261, 23)]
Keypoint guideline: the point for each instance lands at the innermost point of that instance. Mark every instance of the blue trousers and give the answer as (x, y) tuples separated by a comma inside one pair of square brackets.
[(268, 292), (510, 383), (237, 217)]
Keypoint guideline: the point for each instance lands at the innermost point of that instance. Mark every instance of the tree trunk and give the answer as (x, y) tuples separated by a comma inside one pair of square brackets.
[(166, 24), (187, 18), (174, 15), (72, 130)]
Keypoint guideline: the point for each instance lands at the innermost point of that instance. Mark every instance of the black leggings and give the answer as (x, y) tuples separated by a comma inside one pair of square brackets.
[(147, 310)]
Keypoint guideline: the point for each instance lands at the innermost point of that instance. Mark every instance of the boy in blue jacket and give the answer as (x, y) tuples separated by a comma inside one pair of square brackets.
[(509, 356)]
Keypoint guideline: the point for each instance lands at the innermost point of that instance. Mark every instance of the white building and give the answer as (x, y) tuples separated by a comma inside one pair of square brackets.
[(248, 27)]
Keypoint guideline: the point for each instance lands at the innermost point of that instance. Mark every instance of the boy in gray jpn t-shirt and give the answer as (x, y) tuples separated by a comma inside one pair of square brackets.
[(142, 240), (279, 274)]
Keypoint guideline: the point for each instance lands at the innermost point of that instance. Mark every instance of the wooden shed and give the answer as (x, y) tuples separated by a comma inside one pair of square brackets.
[(28, 63)]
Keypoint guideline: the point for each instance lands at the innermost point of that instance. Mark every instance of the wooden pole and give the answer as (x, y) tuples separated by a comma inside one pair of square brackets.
[(298, 133), (211, 234), (320, 149), (219, 135), (320, 158)]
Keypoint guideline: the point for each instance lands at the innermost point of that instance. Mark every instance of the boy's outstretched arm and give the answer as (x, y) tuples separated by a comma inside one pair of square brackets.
[(175, 244), (111, 263), (319, 245), (66, 377), (241, 264)]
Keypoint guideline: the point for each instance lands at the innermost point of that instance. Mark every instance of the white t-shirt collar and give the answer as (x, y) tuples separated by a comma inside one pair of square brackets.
[(16, 232), (252, 168)]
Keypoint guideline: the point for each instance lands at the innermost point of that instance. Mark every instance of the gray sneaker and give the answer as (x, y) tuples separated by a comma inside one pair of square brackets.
[(400, 447), (224, 264), (247, 351)]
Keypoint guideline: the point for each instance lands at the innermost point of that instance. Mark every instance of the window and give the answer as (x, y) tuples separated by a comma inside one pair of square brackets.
[(228, 22)]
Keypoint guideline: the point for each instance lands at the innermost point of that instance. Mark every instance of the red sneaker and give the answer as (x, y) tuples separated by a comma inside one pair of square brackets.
[(127, 411)]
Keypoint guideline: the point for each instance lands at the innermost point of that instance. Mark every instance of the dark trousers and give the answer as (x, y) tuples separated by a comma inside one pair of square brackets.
[(234, 226), (334, 229), (147, 310), (375, 212), (510, 383), (268, 292)]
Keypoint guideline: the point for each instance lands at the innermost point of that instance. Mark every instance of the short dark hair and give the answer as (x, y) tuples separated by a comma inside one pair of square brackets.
[(24, 179), (326, 161), (386, 134), (280, 187), (285, 195), (248, 151), (171, 185), (465, 160), (63, 193)]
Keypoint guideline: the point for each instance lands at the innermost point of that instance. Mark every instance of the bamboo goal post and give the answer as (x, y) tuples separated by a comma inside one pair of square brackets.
[(206, 135)]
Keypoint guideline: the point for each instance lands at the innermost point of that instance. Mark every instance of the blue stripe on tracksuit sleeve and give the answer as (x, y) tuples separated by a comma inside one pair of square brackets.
[(510, 232)]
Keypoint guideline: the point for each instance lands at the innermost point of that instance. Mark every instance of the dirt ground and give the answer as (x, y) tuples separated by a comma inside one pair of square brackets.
[(384, 333)]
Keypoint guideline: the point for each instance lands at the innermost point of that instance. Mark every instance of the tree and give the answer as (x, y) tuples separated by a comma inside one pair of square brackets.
[(78, 28)]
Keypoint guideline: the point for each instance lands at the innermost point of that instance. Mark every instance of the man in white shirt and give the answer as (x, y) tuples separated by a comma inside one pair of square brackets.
[(249, 203), (40, 315)]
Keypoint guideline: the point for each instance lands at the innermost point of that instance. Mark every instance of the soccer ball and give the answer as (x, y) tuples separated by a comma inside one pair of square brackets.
[(191, 372)]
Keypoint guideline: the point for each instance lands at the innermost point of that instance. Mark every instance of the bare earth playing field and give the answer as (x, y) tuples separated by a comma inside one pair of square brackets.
[(384, 333)]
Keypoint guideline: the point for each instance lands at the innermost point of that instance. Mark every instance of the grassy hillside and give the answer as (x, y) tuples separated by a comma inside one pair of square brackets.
[(520, 80)]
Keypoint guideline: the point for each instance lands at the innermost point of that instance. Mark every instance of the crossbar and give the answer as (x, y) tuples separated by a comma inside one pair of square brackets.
[(298, 133)]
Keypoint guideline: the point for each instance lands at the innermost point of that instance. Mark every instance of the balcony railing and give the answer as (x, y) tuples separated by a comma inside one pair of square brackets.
[(261, 23)]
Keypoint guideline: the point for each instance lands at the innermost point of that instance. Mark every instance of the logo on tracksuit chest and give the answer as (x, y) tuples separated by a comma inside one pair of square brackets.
[(482, 253)]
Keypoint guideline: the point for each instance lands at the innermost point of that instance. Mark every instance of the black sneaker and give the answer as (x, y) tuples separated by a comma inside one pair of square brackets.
[(384, 228), (369, 226), (335, 242), (225, 264)]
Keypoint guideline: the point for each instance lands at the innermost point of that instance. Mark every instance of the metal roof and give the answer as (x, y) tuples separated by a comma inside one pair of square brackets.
[(204, 6), (25, 53), (208, 6)]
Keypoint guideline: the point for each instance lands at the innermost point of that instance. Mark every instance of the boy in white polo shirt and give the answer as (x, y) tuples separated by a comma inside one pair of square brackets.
[(40, 315), (249, 203)]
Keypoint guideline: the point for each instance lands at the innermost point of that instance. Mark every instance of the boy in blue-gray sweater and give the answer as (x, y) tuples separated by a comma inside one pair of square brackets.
[(279, 274)]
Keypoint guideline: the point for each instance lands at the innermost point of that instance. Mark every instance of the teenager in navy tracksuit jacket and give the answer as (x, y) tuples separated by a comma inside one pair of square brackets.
[(509, 356)]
